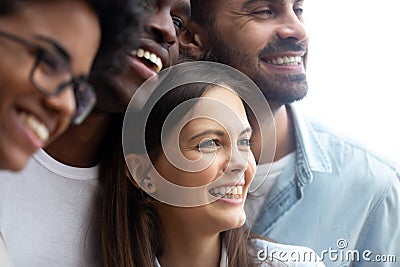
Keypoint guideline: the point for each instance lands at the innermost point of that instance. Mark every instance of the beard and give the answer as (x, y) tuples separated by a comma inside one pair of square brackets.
[(276, 87)]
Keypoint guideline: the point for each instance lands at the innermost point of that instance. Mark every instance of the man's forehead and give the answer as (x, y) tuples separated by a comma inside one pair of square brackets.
[(244, 3), (184, 5)]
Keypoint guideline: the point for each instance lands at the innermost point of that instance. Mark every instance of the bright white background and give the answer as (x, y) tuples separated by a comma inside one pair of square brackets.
[(353, 70)]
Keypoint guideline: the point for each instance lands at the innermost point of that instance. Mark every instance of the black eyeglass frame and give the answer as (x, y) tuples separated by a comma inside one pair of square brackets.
[(76, 81)]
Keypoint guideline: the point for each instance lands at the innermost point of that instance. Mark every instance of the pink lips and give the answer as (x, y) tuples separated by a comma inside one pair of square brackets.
[(140, 68)]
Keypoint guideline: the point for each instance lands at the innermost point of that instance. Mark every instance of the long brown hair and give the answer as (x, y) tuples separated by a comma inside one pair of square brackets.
[(131, 233), (126, 228)]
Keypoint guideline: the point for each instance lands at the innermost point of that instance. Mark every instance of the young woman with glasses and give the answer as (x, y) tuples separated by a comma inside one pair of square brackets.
[(43, 69), (47, 49)]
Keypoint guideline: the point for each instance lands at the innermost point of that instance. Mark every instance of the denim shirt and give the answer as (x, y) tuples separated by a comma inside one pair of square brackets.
[(337, 198)]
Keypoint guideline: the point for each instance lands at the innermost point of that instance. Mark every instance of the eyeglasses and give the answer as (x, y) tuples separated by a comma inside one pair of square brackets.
[(51, 74)]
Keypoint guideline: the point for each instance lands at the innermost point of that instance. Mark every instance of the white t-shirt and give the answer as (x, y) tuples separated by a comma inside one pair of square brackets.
[(268, 254), (264, 179), (5, 260), (223, 262), (48, 214)]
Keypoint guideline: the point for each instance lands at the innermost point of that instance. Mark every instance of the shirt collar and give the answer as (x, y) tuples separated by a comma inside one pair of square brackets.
[(309, 147)]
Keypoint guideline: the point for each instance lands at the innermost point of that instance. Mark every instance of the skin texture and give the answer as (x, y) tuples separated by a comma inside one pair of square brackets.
[(159, 37), (47, 19), (195, 232), (250, 36)]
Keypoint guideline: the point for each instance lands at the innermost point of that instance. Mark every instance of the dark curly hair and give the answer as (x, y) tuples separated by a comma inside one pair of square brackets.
[(120, 22), (202, 13)]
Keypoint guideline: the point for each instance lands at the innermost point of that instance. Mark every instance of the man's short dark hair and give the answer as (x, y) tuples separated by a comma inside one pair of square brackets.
[(121, 25), (201, 11)]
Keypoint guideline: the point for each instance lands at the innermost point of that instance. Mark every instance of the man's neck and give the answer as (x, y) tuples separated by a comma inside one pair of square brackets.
[(283, 131), (80, 146)]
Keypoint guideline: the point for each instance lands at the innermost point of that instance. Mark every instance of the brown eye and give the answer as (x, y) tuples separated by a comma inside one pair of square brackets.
[(298, 11), (179, 23), (244, 143), (49, 63), (261, 12), (208, 145)]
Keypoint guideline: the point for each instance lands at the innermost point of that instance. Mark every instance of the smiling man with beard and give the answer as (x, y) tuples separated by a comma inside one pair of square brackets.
[(320, 188)]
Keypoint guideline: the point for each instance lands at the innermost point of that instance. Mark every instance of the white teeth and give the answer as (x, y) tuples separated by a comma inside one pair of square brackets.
[(286, 60), (153, 58), (240, 190), (158, 61), (140, 53), (291, 60), (36, 126), (227, 191)]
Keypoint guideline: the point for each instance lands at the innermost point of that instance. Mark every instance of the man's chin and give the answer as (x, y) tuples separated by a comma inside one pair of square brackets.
[(285, 96)]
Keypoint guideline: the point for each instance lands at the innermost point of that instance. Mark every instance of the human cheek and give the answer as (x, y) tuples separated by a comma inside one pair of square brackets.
[(15, 83), (174, 53), (251, 169), (214, 169), (253, 37)]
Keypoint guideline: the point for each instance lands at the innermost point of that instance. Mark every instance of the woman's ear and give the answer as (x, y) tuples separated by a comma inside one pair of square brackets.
[(136, 167), (193, 41)]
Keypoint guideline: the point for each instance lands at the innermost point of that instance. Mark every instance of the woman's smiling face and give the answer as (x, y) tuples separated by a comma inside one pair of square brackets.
[(210, 147), (30, 119)]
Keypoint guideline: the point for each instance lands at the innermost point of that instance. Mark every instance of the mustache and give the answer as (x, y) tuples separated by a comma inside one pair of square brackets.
[(284, 45)]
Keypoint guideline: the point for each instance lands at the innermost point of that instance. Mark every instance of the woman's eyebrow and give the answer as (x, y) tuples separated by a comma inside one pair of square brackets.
[(59, 48), (247, 130), (216, 132)]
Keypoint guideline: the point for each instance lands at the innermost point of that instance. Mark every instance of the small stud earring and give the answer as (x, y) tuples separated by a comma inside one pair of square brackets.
[(149, 185)]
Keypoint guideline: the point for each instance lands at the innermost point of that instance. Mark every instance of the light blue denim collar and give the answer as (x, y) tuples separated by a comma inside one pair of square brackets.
[(309, 149)]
